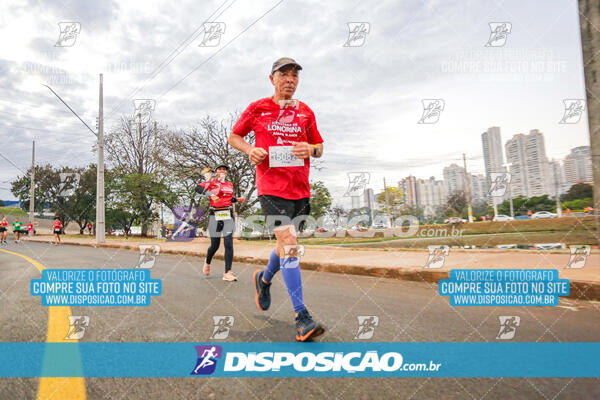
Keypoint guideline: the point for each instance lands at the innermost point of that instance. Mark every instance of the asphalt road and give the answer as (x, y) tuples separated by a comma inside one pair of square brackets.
[(407, 311)]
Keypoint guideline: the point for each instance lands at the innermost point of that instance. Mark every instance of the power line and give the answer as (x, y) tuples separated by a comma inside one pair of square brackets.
[(218, 51), (13, 164), (168, 59), (40, 129)]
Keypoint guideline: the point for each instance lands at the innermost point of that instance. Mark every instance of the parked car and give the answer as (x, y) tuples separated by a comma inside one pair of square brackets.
[(322, 230), (543, 214), (378, 226), (455, 220), (502, 217)]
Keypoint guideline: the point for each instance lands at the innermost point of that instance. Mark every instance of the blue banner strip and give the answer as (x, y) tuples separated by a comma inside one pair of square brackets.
[(182, 359)]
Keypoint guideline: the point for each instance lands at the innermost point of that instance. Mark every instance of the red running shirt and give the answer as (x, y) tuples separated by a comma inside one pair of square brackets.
[(4, 224), (223, 190), (57, 224), (280, 126)]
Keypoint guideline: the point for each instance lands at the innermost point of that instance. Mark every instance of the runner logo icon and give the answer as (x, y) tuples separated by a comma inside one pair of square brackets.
[(207, 359)]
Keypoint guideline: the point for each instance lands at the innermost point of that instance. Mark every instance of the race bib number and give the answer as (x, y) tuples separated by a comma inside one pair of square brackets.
[(222, 215), (281, 156)]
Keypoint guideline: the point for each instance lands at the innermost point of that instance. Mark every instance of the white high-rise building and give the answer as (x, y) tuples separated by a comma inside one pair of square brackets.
[(578, 166), (491, 142), (355, 202), (408, 186), (427, 194), (557, 178), (529, 165), (479, 188), (369, 198), (454, 177)]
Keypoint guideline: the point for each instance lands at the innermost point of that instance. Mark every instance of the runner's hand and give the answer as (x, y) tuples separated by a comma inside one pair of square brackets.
[(241, 199), (257, 155), (302, 150), (214, 198)]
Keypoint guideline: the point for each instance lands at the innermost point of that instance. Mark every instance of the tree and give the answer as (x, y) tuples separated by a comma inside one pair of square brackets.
[(456, 203), (1, 203), (522, 204), (395, 201), (320, 200), (71, 199), (579, 191), (205, 145), (137, 156)]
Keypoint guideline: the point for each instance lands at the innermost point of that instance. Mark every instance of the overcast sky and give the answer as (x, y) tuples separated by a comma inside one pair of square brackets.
[(367, 98)]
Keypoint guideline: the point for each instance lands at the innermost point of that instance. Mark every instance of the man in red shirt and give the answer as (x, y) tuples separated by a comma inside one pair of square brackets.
[(286, 136)]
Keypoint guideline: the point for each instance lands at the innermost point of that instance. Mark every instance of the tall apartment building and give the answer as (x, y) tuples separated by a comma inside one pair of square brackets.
[(578, 166), (454, 177), (423, 193), (529, 165), (479, 188)]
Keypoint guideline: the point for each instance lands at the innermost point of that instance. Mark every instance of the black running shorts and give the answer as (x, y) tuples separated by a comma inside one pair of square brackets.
[(280, 211)]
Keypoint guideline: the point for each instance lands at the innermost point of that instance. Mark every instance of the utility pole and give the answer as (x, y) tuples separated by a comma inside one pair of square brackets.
[(140, 149), (510, 196), (100, 222), (468, 190), (158, 224), (387, 205), (589, 15), (32, 187)]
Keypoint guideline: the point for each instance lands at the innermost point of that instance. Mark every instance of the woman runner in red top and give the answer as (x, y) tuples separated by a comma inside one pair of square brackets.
[(286, 137), (3, 229), (57, 227), (220, 217)]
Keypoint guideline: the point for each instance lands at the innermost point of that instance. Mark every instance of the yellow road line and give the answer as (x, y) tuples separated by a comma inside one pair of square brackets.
[(58, 326)]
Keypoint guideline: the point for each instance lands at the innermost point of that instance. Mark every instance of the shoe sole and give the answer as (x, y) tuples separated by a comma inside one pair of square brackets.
[(316, 331), (256, 288), (229, 280)]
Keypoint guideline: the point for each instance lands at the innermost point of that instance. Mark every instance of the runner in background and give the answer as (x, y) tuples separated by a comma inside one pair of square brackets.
[(90, 226), (17, 230), (3, 229), (221, 221), (286, 137), (57, 227)]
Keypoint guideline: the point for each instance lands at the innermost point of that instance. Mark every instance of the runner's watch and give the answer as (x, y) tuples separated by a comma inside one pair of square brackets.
[(316, 150)]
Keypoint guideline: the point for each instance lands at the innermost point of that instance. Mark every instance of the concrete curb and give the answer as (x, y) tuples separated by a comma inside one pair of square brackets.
[(581, 290)]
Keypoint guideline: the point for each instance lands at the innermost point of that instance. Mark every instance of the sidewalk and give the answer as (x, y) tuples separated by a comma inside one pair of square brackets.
[(394, 264)]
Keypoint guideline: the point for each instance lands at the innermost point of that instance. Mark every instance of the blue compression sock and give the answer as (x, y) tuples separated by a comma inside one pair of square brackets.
[(290, 269), (272, 267)]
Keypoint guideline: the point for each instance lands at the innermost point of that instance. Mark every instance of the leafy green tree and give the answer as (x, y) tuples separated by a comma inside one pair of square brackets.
[(522, 205), (320, 200), (577, 204), (395, 202), (579, 191)]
